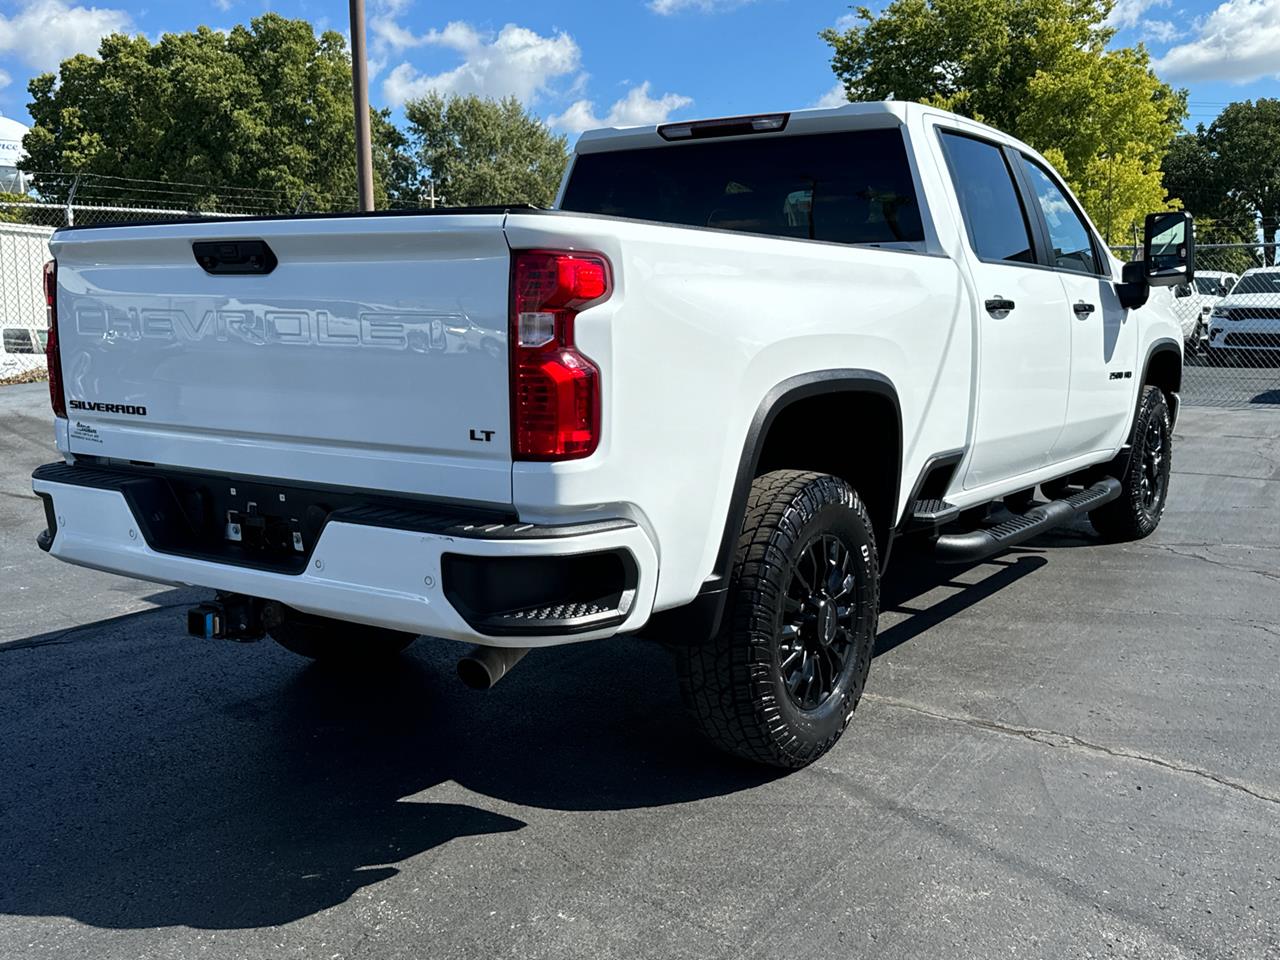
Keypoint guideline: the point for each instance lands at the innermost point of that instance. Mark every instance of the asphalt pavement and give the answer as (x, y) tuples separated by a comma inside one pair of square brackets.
[(1070, 751)]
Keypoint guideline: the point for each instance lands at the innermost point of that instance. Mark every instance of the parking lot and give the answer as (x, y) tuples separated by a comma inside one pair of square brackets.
[(1072, 750)]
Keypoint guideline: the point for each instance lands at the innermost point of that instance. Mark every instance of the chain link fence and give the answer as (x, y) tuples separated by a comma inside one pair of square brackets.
[(1230, 316), (24, 248)]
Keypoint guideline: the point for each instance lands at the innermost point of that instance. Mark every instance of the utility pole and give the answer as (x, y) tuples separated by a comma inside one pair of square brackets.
[(360, 89)]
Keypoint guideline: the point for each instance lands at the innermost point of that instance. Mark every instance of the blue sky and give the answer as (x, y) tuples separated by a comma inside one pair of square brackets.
[(579, 63)]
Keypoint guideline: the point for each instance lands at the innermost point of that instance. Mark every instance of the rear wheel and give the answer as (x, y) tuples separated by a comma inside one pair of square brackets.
[(336, 641), (779, 682), (1145, 485)]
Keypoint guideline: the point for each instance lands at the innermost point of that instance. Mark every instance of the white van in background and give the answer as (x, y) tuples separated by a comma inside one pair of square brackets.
[(24, 321)]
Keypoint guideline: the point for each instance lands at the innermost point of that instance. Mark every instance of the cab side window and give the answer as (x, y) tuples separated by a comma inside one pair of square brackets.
[(1068, 234), (993, 214)]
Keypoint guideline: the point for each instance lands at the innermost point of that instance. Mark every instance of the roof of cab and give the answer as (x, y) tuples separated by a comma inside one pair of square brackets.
[(848, 116)]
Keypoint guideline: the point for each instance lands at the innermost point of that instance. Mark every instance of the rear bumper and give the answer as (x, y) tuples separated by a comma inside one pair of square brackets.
[(513, 584)]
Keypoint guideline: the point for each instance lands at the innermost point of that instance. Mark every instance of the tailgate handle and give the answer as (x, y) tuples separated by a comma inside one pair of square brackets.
[(238, 257)]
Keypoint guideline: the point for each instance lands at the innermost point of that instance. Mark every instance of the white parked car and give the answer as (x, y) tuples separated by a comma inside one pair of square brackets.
[(739, 360), (1245, 325), (1194, 302)]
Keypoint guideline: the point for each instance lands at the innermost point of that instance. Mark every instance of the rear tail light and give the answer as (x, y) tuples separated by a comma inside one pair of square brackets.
[(52, 355), (555, 390)]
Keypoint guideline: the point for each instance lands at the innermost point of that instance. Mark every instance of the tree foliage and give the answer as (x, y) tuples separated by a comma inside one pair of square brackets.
[(13, 214), (481, 151), (266, 106), (1228, 174), (1040, 70)]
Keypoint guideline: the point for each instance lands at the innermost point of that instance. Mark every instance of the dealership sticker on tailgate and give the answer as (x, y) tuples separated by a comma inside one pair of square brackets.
[(82, 431)]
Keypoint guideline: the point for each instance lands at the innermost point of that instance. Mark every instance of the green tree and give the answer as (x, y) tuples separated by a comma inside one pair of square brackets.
[(1040, 70), (481, 151), (1193, 174), (265, 107), (1245, 142), (14, 214)]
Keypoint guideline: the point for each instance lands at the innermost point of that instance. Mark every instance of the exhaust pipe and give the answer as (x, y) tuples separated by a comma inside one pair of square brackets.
[(482, 667)]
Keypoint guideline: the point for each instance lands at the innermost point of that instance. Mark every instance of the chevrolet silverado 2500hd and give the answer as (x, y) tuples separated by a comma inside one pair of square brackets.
[(702, 397)]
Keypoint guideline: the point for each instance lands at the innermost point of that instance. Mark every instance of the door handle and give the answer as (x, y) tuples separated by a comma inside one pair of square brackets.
[(999, 307), (1083, 309)]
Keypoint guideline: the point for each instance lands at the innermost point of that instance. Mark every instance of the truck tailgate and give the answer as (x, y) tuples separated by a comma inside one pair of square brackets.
[(374, 355)]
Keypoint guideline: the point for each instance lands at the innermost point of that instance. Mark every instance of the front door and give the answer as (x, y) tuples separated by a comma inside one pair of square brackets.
[(1104, 337), (1024, 339)]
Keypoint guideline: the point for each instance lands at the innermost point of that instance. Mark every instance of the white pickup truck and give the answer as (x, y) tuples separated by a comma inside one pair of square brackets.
[(701, 399)]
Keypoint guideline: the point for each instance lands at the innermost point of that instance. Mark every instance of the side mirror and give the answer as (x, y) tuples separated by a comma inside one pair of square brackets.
[(1169, 249), (1133, 290), (1168, 259)]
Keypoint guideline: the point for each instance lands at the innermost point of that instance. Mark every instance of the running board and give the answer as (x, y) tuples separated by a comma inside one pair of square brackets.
[(980, 544)]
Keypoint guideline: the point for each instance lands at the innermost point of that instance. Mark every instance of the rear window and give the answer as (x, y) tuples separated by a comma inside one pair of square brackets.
[(851, 187)]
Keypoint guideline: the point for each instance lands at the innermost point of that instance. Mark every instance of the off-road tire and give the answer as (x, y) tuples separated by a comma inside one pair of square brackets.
[(734, 683), (1145, 485), (336, 641)]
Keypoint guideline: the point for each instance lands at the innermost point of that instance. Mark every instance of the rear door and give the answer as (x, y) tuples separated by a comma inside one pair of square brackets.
[(1024, 350), (1104, 339), (373, 355)]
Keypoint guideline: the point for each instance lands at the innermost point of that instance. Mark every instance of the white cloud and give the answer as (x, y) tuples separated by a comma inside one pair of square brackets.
[(5, 79), (1161, 31), (635, 109), (667, 7), (835, 97), (1128, 13), (517, 62), (1239, 41), (848, 22), (43, 33), (224, 5)]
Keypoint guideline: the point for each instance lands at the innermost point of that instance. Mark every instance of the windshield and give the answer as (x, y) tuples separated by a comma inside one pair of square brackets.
[(1259, 282), (841, 187), (1212, 286)]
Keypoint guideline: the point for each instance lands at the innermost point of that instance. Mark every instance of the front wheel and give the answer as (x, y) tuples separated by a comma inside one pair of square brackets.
[(780, 680), (1145, 485)]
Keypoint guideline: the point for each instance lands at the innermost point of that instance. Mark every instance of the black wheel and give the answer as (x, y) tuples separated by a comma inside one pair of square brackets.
[(779, 682), (336, 641), (1145, 484)]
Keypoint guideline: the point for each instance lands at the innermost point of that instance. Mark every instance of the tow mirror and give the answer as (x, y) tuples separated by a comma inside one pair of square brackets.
[(1169, 249), (1168, 259)]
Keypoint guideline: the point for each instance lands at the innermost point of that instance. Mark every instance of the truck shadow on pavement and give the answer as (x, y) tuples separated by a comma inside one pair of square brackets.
[(150, 781)]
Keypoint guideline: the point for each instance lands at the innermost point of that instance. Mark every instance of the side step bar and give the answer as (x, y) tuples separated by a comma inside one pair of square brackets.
[(980, 544)]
